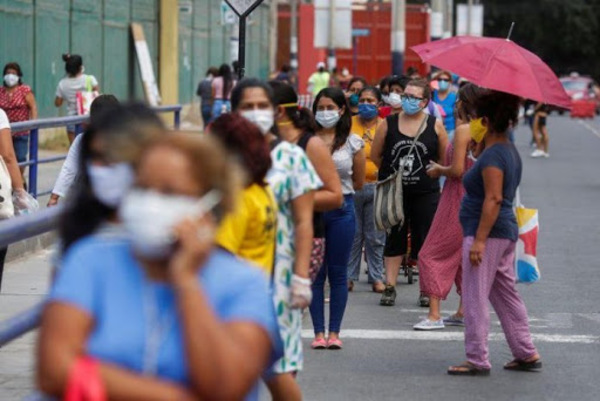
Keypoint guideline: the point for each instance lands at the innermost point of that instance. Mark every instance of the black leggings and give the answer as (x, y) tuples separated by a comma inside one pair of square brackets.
[(418, 211)]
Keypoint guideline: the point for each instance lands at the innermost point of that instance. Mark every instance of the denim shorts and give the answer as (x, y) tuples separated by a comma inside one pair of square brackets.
[(21, 145)]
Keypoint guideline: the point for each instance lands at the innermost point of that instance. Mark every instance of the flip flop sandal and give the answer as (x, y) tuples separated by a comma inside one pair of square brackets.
[(467, 369), (524, 366)]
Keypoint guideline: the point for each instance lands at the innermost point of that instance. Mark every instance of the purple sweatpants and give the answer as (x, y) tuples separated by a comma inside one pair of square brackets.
[(493, 279)]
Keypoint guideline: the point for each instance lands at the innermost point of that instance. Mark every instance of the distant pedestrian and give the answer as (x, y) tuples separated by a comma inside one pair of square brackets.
[(283, 75), (222, 85), (18, 101), (446, 97), (540, 131), (334, 121), (391, 149), (319, 80), (440, 259), (355, 85), (384, 87), (68, 87), (344, 79), (205, 93), (397, 85), (490, 236), (364, 125)]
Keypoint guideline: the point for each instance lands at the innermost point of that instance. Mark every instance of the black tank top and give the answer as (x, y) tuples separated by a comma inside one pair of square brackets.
[(396, 148), (318, 224)]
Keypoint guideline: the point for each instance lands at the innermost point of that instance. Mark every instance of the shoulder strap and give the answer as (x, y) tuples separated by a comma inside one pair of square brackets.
[(303, 141), (420, 131)]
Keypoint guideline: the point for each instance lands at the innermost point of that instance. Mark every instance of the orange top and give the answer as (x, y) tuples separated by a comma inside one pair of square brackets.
[(367, 135)]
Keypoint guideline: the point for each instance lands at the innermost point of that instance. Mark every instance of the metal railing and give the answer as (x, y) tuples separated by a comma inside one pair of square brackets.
[(34, 126), (46, 220), (18, 229)]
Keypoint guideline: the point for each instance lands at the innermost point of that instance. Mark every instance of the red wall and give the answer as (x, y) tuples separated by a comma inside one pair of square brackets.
[(374, 58)]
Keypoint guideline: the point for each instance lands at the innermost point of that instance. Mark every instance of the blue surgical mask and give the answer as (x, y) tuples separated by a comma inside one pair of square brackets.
[(411, 107), (444, 85), (353, 100), (367, 111)]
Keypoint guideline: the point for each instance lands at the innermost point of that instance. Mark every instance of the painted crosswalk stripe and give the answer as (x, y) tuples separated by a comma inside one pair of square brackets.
[(453, 336)]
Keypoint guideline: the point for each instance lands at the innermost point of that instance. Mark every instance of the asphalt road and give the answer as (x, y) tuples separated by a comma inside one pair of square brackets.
[(384, 359)]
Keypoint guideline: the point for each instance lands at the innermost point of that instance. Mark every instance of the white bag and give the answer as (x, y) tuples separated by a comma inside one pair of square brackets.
[(7, 209)]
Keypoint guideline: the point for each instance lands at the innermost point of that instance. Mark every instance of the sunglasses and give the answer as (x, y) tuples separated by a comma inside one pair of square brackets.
[(443, 80)]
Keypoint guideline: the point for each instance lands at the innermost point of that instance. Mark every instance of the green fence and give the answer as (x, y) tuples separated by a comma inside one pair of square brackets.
[(35, 33)]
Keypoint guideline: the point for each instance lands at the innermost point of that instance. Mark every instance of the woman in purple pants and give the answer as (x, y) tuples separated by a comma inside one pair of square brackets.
[(490, 234)]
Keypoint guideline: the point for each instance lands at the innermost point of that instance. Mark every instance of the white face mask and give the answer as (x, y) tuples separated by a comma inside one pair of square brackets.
[(263, 119), (395, 100), (328, 118), (149, 218), (385, 99), (11, 80), (110, 183)]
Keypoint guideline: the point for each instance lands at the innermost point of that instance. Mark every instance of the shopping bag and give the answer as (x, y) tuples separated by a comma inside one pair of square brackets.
[(526, 266), (85, 98), (7, 209)]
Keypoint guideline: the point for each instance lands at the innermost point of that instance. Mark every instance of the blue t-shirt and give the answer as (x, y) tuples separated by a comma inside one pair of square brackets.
[(505, 157), (448, 106), (101, 277)]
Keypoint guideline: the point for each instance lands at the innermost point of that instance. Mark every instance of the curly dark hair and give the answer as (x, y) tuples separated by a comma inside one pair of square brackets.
[(245, 141), (342, 128)]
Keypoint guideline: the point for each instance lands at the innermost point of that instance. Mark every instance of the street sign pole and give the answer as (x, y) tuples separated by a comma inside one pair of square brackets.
[(243, 8)]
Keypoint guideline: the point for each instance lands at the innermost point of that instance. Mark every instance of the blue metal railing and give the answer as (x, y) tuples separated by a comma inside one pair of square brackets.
[(18, 229), (35, 125), (31, 225)]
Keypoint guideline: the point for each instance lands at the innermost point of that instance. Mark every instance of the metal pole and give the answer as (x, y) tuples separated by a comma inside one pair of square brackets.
[(469, 17), (354, 54), (177, 119), (242, 47), (398, 35), (331, 62), (294, 35), (33, 156)]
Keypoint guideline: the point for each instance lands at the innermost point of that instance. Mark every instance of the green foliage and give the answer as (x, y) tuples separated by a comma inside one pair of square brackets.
[(565, 34)]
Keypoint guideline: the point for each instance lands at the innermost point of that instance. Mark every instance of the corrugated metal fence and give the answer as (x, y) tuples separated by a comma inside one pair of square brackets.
[(35, 33)]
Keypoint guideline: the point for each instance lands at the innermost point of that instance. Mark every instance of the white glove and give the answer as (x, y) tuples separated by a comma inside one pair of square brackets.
[(301, 292)]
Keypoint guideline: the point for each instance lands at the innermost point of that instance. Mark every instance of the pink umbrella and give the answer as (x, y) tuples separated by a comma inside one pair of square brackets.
[(498, 64)]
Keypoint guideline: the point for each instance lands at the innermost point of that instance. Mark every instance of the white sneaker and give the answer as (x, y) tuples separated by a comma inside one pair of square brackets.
[(537, 153), (426, 325), (546, 155)]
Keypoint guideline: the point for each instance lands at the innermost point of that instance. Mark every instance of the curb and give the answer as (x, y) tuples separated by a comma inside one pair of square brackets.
[(24, 248)]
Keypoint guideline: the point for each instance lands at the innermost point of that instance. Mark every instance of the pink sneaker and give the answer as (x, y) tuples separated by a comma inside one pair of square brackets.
[(319, 343), (334, 344)]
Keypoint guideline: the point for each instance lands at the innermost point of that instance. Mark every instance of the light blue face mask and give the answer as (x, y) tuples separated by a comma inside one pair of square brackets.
[(444, 85), (411, 106)]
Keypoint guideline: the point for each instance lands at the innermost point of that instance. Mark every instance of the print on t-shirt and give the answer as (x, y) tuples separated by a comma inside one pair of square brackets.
[(413, 163)]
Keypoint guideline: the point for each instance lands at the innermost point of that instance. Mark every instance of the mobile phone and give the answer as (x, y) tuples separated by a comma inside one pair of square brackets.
[(208, 202)]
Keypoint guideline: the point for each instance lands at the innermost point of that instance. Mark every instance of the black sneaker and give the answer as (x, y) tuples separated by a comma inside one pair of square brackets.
[(423, 301), (389, 296)]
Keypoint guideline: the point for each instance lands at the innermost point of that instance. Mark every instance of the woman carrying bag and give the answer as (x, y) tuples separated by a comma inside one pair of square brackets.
[(405, 144)]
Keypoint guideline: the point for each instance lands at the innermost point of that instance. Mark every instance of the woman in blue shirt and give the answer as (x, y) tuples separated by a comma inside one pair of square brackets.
[(490, 235), (164, 315), (446, 98)]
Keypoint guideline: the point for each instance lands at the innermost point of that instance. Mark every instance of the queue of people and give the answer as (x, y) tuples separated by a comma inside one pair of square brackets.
[(253, 218)]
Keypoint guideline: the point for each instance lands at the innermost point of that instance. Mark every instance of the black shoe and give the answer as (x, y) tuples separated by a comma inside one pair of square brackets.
[(389, 296), (423, 301)]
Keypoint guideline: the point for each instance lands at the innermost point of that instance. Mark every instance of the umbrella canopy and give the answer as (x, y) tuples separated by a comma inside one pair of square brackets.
[(498, 64)]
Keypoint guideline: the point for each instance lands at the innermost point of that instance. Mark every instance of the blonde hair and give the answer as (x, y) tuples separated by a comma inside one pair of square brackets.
[(210, 164)]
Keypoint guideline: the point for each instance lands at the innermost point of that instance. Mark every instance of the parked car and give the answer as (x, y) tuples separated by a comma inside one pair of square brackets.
[(581, 88)]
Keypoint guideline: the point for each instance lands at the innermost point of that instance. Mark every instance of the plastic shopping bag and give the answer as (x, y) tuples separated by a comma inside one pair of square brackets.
[(526, 266), (24, 203), (85, 98)]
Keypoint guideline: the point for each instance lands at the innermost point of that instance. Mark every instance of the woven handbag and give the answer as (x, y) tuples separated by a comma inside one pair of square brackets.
[(389, 205)]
